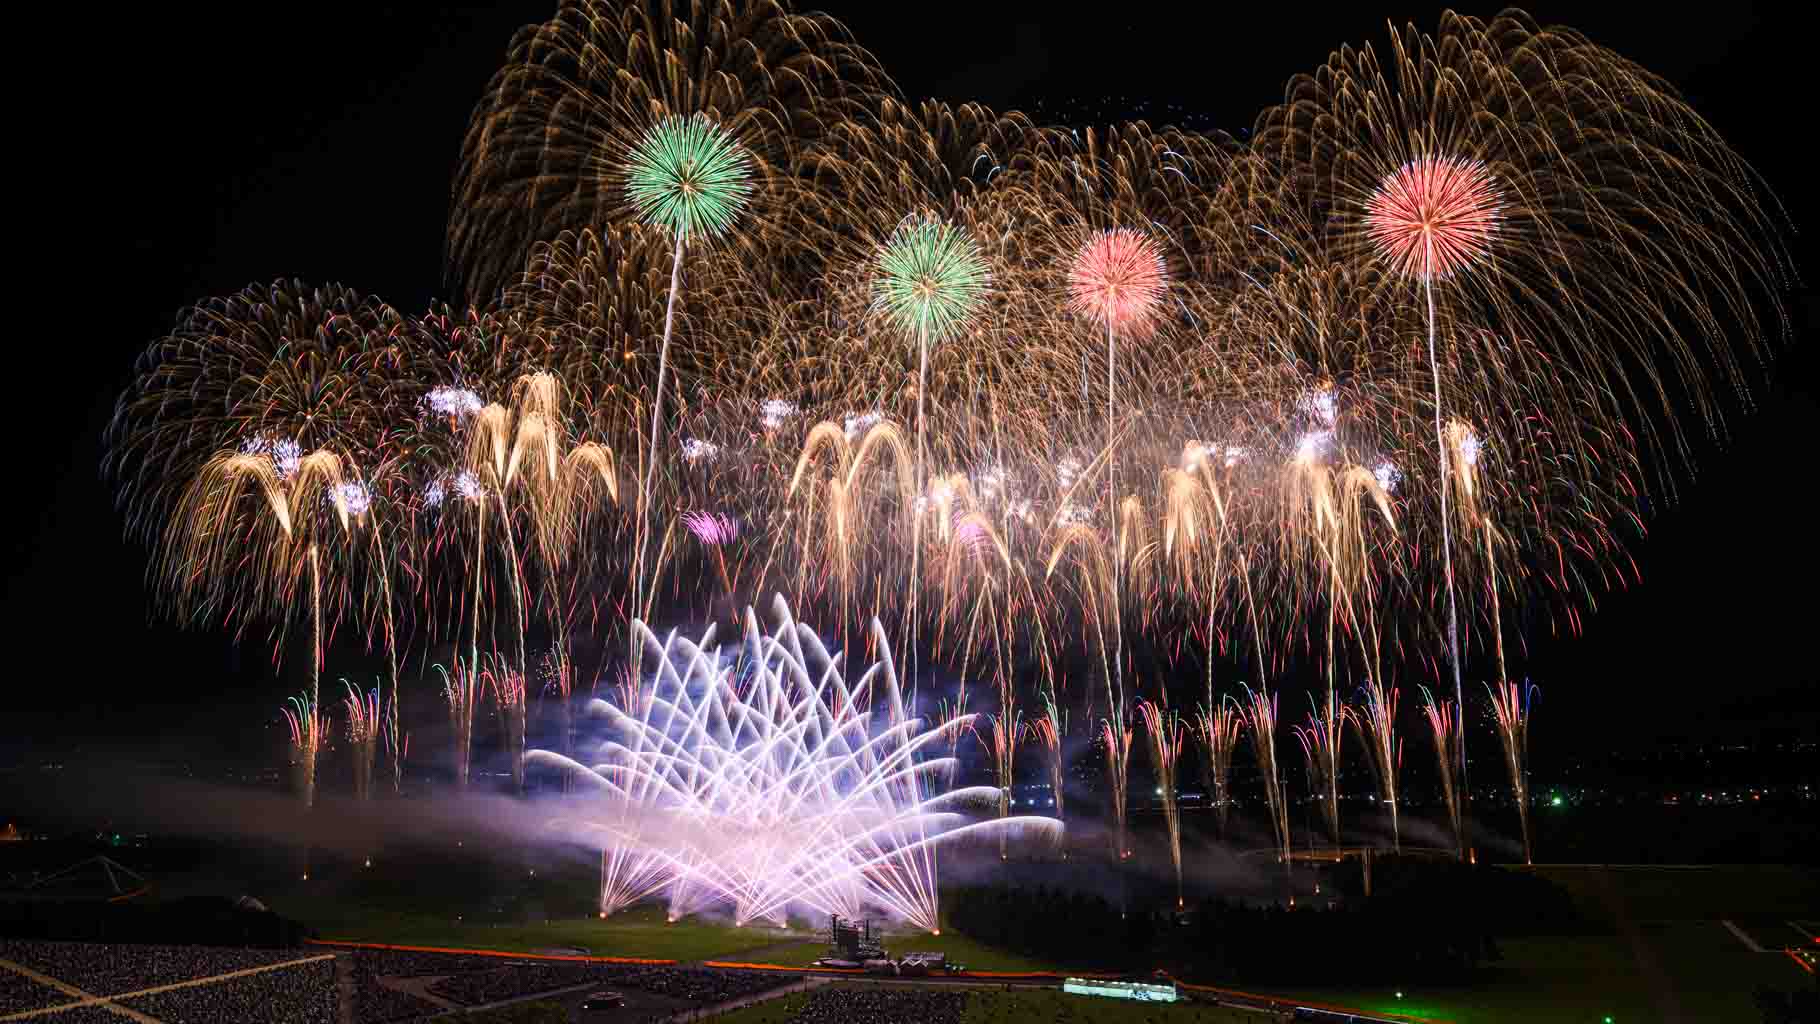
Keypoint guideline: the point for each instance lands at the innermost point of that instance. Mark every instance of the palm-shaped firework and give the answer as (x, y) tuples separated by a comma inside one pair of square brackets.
[(929, 280), (690, 177)]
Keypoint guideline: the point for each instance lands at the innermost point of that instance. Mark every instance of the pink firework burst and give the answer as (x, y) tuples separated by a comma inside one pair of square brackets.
[(712, 528), (1118, 279), (1435, 216)]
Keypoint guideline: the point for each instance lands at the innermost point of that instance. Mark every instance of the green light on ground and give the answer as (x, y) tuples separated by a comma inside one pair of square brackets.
[(1557, 802)]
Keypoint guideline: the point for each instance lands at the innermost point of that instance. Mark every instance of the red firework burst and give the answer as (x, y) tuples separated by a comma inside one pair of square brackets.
[(1118, 279), (1435, 215)]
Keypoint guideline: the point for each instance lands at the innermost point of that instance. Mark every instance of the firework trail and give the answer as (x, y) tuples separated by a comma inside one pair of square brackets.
[(1510, 707), (1376, 722), (309, 727), (1218, 727), (1165, 732), (363, 736), (1441, 724), (397, 741)]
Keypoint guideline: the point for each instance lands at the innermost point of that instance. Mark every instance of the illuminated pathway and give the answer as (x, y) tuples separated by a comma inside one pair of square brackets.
[(112, 1003)]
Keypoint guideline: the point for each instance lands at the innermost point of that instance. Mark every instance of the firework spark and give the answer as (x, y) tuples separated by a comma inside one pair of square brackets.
[(1435, 216), (1118, 279)]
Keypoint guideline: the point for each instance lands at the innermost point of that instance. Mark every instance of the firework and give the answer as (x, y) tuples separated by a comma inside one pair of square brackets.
[(691, 178), (1376, 722), (1165, 732), (1218, 729), (688, 176), (776, 790), (397, 741), (1050, 730), (1118, 280), (1442, 725), (1259, 711), (928, 281), (1116, 737), (309, 728), (508, 689), (1510, 706), (461, 690), (1004, 731), (1435, 216), (363, 736), (1320, 740)]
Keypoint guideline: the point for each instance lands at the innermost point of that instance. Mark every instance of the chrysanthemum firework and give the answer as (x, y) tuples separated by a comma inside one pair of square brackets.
[(1435, 216), (689, 176), (929, 278), (1118, 279)]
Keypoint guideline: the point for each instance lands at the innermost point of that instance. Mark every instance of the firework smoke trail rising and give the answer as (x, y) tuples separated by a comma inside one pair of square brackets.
[(1510, 706), (1165, 733), (777, 789)]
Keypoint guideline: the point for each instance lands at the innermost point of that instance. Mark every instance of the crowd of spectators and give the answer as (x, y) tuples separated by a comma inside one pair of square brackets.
[(839, 1004), (300, 994), (110, 969), (489, 981), (511, 980), (702, 987), (18, 993), (375, 1003)]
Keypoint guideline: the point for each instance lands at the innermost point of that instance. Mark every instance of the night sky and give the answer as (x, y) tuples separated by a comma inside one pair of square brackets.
[(207, 151)]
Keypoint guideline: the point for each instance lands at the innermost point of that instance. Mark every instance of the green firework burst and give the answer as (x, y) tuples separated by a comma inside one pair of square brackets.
[(689, 175), (929, 278)]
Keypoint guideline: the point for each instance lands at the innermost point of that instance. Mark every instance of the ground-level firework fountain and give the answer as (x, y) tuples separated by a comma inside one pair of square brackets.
[(761, 781)]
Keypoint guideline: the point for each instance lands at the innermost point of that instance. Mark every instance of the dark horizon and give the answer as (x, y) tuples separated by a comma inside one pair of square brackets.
[(234, 151)]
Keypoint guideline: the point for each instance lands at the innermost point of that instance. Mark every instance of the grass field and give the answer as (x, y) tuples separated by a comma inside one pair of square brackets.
[(960, 949), (1660, 952), (637, 933)]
